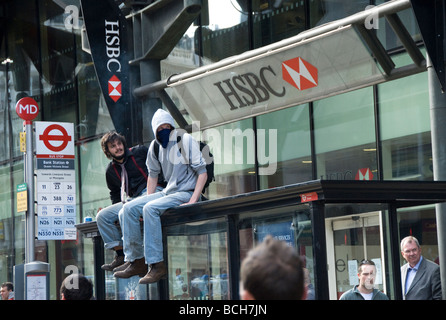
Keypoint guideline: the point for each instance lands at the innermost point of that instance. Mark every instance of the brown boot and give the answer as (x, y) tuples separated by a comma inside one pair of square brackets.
[(137, 267), (156, 272), (122, 267), (119, 260)]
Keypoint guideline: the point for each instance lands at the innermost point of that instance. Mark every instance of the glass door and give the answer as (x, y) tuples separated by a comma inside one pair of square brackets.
[(349, 241)]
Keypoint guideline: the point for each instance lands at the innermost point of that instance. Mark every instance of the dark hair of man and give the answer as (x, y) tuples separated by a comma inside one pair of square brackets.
[(111, 137), (83, 290), (273, 271), (9, 286), (367, 263)]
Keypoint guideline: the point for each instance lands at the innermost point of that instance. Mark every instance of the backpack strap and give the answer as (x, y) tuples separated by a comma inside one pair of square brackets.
[(139, 168), (116, 171)]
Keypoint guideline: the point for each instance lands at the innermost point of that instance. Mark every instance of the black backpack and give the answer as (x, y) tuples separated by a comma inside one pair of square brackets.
[(207, 156)]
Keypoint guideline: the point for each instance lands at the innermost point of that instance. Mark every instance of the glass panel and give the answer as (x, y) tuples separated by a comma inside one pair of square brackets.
[(345, 136), (198, 261), (6, 113), (406, 141), (225, 29), (356, 239), (232, 146), (95, 194), (58, 61), (421, 223), (185, 55), (6, 225), (293, 147), (15, 227), (291, 224), (387, 36), (276, 20), (324, 11)]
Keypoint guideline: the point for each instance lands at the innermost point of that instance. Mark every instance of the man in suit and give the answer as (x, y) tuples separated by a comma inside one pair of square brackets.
[(420, 277)]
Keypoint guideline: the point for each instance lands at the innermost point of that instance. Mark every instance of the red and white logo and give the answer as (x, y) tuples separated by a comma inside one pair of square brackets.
[(364, 174), (299, 73), (114, 88), (54, 140)]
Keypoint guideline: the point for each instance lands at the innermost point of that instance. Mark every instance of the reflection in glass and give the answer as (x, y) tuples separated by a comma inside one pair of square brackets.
[(344, 130), (198, 261)]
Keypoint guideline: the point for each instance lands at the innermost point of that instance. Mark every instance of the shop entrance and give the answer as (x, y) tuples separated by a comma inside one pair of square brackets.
[(350, 240)]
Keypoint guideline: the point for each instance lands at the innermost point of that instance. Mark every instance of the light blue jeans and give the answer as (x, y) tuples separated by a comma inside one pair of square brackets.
[(106, 221), (150, 208)]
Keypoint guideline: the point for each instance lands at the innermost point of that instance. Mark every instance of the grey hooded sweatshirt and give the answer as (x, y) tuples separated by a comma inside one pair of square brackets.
[(180, 170)]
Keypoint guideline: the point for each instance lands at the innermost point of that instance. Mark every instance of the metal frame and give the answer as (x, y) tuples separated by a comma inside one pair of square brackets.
[(387, 10), (388, 194)]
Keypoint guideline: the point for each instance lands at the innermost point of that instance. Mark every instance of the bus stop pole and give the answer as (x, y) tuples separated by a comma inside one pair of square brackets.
[(437, 102), (29, 179)]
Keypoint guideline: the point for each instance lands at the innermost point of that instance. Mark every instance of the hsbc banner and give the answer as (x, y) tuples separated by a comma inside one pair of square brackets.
[(107, 35), (295, 74), (56, 181)]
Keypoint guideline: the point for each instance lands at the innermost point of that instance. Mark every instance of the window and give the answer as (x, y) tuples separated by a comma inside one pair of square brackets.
[(224, 29), (292, 147), (291, 225), (276, 20), (345, 136), (198, 261), (233, 148), (405, 127)]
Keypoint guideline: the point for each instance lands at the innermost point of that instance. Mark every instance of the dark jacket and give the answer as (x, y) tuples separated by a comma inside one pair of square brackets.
[(354, 294), (135, 165)]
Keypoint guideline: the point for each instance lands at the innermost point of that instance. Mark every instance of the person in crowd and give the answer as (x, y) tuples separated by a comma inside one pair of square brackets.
[(176, 154), (76, 287), (420, 277), (7, 291), (126, 176), (365, 290), (272, 271)]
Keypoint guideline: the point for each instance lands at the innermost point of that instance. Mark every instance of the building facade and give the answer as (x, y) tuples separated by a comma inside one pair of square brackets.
[(378, 131)]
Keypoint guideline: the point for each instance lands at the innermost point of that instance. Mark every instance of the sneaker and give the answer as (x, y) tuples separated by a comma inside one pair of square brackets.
[(119, 260)]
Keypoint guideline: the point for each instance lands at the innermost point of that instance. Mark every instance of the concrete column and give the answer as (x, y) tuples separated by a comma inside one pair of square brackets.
[(437, 101)]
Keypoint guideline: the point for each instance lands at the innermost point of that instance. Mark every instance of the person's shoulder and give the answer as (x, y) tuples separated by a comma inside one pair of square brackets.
[(139, 148), (347, 295), (430, 264)]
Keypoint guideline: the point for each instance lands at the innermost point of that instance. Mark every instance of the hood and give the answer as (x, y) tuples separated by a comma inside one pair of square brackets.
[(160, 117)]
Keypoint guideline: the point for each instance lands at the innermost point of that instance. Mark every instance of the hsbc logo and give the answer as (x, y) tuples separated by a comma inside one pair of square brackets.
[(113, 51), (114, 88), (299, 73), (364, 174), (252, 88)]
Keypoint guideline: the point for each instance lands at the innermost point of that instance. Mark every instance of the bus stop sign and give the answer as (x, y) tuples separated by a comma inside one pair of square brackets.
[(27, 109)]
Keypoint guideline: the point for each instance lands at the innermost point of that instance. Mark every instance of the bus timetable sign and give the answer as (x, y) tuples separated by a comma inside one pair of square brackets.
[(56, 183)]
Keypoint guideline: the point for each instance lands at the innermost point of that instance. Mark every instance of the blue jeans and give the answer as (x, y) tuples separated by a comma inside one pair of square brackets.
[(150, 208), (106, 221)]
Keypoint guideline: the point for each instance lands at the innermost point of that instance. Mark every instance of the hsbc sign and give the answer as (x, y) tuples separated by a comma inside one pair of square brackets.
[(295, 74), (253, 88), (106, 29), (113, 51)]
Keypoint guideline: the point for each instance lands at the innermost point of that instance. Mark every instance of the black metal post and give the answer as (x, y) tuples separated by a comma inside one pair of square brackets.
[(99, 274), (317, 209)]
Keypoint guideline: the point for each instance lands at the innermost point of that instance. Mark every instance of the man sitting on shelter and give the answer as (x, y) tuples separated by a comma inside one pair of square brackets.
[(126, 177), (179, 157)]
